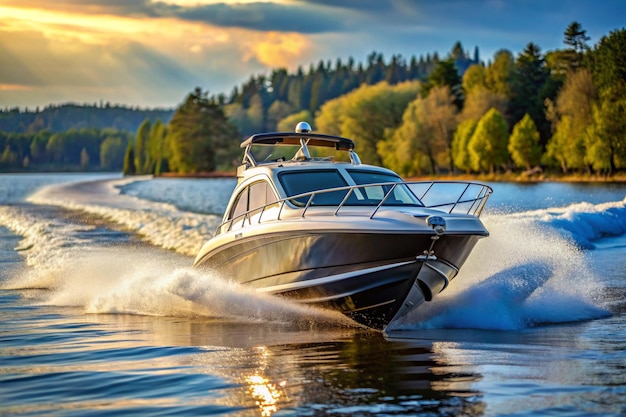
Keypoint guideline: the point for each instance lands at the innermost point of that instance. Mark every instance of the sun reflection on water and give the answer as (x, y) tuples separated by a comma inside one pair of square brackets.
[(265, 393)]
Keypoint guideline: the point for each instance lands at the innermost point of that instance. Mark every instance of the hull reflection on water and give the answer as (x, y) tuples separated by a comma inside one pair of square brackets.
[(328, 370)]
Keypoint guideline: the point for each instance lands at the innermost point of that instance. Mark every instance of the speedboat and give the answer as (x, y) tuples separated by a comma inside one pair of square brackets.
[(314, 224)]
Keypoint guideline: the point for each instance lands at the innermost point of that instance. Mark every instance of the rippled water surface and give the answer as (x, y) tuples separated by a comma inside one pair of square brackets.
[(102, 315)]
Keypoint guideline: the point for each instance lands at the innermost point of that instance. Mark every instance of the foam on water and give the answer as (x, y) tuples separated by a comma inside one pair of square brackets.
[(581, 223), (160, 224), (134, 279), (45, 245), (533, 268), (141, 283)]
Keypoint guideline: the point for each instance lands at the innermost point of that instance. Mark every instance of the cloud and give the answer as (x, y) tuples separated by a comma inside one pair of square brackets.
[(152, 52), (273, 17), (37, 66), (115, 7), (298, 17)]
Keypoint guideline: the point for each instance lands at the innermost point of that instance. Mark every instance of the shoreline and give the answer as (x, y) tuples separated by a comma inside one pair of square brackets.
[(215, 174), (502, 177), (519, 178)]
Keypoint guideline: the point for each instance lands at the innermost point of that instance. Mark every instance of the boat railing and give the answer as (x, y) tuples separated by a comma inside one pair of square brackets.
[(448, 196)]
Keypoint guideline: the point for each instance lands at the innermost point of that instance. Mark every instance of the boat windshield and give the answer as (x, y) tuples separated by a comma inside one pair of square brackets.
[(400, 196), (301, 182)]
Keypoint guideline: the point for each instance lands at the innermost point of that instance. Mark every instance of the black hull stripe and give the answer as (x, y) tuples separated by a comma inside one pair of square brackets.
[(330, 279)]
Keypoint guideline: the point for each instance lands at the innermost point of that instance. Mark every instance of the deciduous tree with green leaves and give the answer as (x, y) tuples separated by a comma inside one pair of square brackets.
[(460, 145), (570, 115), (567, 145), (488, 145), (424, 134), (365, 113), (499, 74), (524, 143), (288, 124), (408, 149), (479, 101), (605, 138), (112, 153), (474, 77)]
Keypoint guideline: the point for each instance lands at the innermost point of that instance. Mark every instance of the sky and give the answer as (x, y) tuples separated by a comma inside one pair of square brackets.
[(152, 53)]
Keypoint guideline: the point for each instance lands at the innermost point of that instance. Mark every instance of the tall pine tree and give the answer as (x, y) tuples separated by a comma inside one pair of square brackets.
[(197, 131)]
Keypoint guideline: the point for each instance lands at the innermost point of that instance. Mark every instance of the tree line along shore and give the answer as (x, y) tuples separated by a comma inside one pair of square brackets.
[(532, 116)]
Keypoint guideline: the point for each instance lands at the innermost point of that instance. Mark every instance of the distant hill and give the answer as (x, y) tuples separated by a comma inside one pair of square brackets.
[(60, 118)]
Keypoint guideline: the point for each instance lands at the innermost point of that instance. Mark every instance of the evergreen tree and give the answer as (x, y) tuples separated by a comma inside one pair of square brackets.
[(530, 89), (571, 58), (576, 37), (156, 148), (318, 87), (608, 65), (141, 146), (376, 68), (606, 140), (278, 111), (129, 161), (255, 115), (395, 72), (197, 131), (446, 74), (84, 158)]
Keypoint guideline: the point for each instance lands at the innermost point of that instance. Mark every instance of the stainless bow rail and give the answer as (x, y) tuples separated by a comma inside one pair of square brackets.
[(447, 196)]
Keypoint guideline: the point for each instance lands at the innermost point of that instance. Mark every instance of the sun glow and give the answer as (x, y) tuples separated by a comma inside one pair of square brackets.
[(199, 2), (278, 49), (14, 87), (60, 51)]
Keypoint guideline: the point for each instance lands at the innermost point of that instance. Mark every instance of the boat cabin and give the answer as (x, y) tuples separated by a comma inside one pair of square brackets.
[(306, 180)]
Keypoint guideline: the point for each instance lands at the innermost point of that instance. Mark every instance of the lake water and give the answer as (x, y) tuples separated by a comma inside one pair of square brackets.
[(102, 315)]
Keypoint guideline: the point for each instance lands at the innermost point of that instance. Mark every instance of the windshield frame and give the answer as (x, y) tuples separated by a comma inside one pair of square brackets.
[(403, 195), (361, 194)]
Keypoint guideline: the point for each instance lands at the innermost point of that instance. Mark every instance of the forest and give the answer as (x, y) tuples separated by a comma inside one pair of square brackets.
[(534, 112)]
